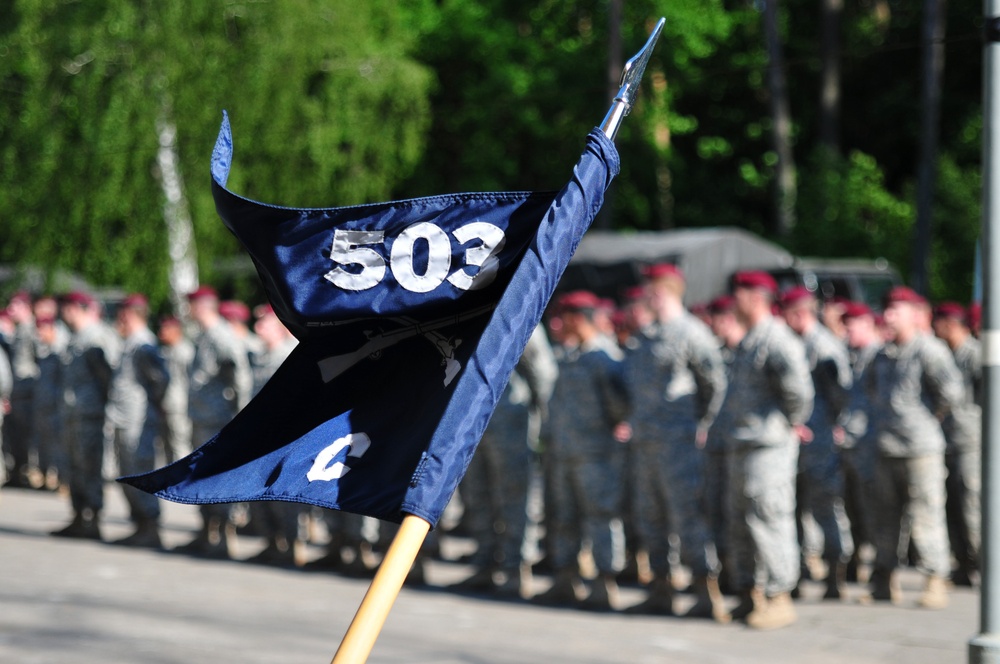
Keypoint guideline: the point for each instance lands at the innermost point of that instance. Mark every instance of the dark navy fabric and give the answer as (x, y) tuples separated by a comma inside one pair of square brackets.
[(403, 353)]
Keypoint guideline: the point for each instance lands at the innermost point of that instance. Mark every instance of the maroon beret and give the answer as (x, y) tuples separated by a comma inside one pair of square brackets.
[(795, 295), (233, 310), (78, 297), (755, 279), (577, 300), (951, 310), (634, 293), (856, 310), (663, 270), (975, 315), (135, 301), (21, 296), (722, 304), (903, 294), (201, 292)]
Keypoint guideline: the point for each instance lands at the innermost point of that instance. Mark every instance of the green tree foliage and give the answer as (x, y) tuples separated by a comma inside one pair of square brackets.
[(337, 103), (327, 106)]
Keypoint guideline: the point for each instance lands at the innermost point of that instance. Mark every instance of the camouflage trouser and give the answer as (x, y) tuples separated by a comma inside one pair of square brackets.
[(345, 528), (714, 498), (277, 517), (763, 546), (48, 432), (912, 487), (85, 436), (18, 443), (201, 434), (667, 491), (859, 491), (820, 491), (586, 495), (962, 506), (494, 491), (177, 436), (136, 452)]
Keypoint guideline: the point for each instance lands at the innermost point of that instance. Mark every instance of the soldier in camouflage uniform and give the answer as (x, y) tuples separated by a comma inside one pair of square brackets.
[(18, 438), (769, 399), (855, 431), (177, 352), (47, 420), (963, 434), (495, 487), (914, 384), (218, 387), (588, 401), (820, 488), (135, 413), (6, 385), (278, 521), (729, 332), (91, 357), (676, 383)]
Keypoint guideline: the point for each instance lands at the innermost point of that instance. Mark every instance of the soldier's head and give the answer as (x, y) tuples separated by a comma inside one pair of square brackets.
[(171, 331), (80, 309), (237, 315), (636, 308), (665, 289), (45, 327), (19, 307), (753, 294), (269, 327), (859, 325), (905, 313), (204, 306), (132, 314), (799, 307), (951, 323), (724, 322), (578, 310), (832, 315)]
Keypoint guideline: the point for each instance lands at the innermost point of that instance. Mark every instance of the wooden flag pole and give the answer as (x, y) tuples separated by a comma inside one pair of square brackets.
[(374, 609)]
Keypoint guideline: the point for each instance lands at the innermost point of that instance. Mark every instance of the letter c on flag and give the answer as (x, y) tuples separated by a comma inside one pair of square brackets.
[(358, 444)]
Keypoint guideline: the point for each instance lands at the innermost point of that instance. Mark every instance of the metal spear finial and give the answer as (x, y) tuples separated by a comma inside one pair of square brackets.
[(631, 76)]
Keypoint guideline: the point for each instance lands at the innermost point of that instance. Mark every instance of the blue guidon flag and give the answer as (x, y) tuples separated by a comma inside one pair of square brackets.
[(410, 315)]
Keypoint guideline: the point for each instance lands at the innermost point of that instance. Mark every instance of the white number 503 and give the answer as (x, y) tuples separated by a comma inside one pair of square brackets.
[(353, 248)]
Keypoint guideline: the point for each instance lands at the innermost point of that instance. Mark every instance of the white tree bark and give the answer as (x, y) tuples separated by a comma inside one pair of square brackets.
[(177, 215)]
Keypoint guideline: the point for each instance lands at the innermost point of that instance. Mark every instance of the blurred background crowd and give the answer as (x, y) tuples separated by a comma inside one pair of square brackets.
[(738, 447)]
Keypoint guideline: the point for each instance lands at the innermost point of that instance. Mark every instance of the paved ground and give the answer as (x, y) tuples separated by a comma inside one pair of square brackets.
[(83, 602)]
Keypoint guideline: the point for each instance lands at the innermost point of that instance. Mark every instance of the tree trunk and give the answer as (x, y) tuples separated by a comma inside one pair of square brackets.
[(785, 189), (829, 97), (180, 232), (932, 70)]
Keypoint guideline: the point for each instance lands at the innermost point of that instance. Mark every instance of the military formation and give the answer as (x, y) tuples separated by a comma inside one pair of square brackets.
[(735, 449)]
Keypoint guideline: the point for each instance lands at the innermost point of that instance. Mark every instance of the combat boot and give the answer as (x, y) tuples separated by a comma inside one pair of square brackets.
[(603, 594), (836, 581), (750, 601), (146, 536), (777, 611), (935, 595), (885, 587), (709, 602), (660, 601), (83, 526), (481, 580), (562, 592)]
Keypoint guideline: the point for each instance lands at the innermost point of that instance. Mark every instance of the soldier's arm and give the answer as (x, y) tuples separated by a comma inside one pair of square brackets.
[(942, 380), (99, 366), (833, 381), (6, 376), (791, 381), (538, 367), (153, 374), (710, 376)]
